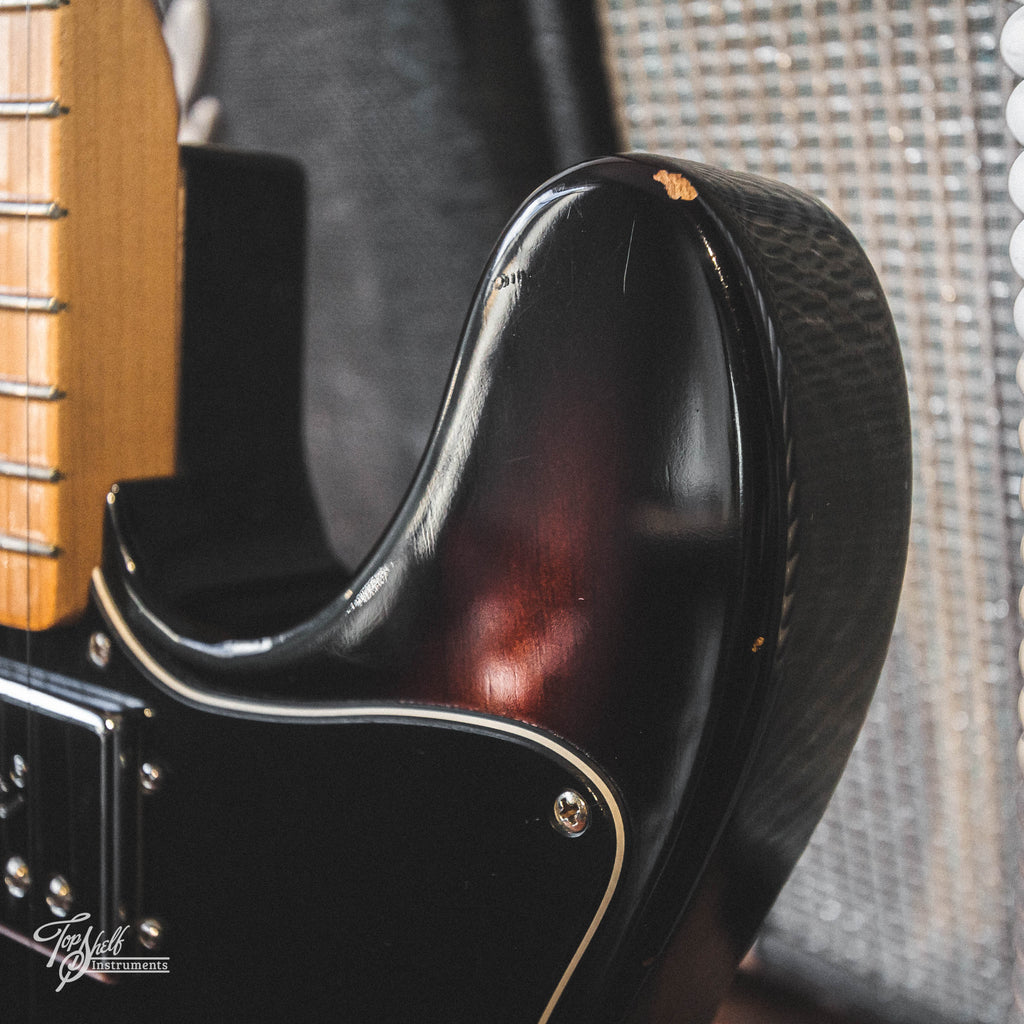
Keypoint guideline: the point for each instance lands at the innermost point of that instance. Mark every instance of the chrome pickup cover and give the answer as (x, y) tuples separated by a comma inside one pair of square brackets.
[(69, 802)]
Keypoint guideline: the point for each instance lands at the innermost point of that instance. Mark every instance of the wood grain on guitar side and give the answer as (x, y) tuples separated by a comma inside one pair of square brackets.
[(110, 161)]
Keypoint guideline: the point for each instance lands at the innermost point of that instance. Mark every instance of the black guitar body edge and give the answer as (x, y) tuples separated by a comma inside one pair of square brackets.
[(550, 753)]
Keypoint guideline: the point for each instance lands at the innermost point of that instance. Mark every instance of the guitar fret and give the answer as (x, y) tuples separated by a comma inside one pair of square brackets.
[(31, 303), (29, 471), (32, 5), (30, 208), (31, 108), (35, 392), (24, 546)]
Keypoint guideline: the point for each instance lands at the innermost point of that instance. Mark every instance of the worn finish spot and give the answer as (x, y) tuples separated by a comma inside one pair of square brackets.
[(758, 644), (676, 185)]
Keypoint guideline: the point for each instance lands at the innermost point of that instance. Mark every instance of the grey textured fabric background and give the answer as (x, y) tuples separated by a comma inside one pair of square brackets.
[(420, 126)]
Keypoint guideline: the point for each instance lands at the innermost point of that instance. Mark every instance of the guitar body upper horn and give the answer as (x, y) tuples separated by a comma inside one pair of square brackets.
[(662, 517)]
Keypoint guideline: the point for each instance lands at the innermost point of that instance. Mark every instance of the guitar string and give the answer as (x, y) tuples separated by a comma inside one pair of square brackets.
[(27, 420), (5, 746), (28, 810), (31, 745), (6, 790)]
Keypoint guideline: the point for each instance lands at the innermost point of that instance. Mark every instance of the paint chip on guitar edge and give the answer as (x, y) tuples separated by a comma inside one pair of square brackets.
[(676, 185)]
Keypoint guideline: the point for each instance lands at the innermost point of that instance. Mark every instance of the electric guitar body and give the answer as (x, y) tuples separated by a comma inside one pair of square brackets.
[(551, 751)]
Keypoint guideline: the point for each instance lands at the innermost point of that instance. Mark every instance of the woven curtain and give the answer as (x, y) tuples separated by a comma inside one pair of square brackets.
[(892, 113)]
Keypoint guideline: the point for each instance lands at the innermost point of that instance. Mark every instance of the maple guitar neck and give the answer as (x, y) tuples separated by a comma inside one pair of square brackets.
[(89, 286)]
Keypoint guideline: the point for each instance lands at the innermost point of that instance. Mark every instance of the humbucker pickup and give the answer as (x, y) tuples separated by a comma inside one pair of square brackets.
[(70, 828)]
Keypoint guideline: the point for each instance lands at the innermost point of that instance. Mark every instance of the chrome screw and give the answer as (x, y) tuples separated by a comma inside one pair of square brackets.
[(19, 771), (151, 933), (99, 649), (571, 813), (151, 776), (60, 898), (17, 877)]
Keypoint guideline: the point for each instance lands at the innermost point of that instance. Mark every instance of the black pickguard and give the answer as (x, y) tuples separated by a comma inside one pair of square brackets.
[(382, 870)]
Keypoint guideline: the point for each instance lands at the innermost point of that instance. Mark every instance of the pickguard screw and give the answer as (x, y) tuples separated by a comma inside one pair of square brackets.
[(17, 877), (19, 771), (151, 776), (60, 897), (151, 933), (571, 813), (99, 649)]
